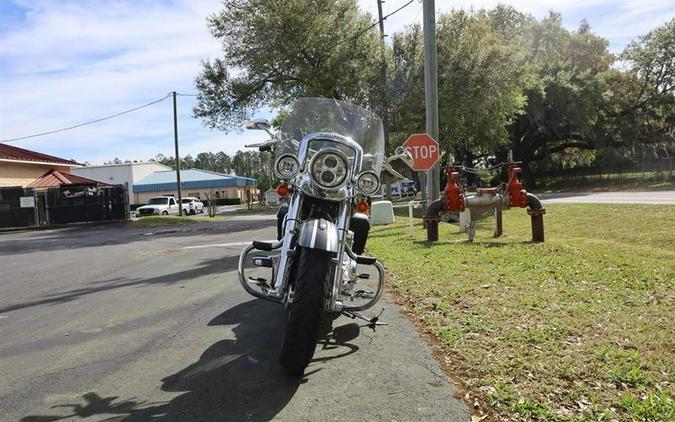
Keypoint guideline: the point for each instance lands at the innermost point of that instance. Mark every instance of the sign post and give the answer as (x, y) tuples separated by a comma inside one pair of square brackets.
[(431, 90)]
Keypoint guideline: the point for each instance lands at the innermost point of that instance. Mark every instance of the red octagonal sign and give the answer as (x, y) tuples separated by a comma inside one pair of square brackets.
[(424, 150)]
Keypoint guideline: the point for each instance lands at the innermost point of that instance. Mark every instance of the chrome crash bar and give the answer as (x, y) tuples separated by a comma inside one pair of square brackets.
[(366, 260), (266, 294)]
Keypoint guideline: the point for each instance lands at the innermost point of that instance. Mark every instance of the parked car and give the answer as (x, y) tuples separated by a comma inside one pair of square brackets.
[(408, 188), (401, 189), (396, 191), (159, 205), (192, 205)]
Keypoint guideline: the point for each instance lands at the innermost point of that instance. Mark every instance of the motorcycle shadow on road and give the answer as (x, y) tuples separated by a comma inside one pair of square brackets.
[(234, 379)]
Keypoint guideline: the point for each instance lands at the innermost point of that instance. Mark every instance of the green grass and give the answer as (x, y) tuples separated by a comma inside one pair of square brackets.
[(257, 206), (159, 221), (579, 327)]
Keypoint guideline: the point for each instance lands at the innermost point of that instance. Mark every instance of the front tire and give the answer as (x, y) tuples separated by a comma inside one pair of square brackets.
[(304, 314)]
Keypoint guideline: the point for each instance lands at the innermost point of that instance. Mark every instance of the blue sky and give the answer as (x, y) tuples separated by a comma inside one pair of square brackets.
[(63, 62)]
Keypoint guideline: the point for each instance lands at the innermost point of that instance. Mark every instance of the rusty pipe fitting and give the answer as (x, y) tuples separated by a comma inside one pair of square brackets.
[(432, 218), (536, 213)]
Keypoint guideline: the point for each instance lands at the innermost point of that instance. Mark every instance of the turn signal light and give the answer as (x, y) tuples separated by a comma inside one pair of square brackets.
[(283, 189), (362, 207)]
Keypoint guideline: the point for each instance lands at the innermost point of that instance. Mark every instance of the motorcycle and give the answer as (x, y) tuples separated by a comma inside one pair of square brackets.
[(329, 156)]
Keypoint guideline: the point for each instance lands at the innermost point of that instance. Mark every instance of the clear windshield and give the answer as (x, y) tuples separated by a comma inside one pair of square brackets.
[(158, 201), (310, 115)]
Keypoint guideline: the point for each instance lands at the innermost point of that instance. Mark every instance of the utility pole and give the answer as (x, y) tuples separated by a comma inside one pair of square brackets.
[(175, 140), (381, 20), (385, 102), (431, 90)]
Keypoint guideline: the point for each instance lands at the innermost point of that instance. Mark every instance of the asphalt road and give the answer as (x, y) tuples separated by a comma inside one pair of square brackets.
[(113, 323), (656, 197)]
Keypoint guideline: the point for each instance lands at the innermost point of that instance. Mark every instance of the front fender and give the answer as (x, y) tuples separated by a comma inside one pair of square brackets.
[(319, 234)]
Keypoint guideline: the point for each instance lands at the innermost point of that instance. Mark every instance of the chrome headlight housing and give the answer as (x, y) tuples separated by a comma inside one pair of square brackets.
[(329, 169), (287, 166), (368, 183)]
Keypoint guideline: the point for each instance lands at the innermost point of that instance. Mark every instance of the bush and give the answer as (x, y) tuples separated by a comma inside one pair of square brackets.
[(224, 201)]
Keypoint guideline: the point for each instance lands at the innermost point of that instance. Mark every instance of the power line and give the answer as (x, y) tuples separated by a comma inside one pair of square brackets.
[(112, 116), (363, 31), (418, 13)]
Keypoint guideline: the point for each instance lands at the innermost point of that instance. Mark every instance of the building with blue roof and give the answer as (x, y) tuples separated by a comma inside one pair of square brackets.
[(197, 183)]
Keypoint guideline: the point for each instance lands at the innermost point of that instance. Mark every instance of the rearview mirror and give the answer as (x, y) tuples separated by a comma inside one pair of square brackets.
[(259, 124), (402, 154)]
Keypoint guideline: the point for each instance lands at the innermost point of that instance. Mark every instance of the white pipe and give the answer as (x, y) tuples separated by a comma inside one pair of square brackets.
[(411, 205)]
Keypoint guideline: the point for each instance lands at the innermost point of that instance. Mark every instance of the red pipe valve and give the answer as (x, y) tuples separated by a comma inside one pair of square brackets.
[(454, 201), (517, 195)]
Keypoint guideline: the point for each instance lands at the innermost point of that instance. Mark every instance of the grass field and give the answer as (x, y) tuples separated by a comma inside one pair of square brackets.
[(162, 220), (166, 220), (580, 327)]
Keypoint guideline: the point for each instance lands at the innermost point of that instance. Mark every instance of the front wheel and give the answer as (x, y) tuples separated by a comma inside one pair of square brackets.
[(304, 313)]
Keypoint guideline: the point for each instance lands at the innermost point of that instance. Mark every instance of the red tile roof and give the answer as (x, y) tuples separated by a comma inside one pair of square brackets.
[(54, 178), (9, 152)]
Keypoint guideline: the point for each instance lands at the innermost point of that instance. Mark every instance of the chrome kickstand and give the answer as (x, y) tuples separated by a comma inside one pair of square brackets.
[(371, 321)]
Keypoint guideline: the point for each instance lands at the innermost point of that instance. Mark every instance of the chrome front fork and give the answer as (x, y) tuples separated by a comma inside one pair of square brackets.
[(334, 305), (289, 229)]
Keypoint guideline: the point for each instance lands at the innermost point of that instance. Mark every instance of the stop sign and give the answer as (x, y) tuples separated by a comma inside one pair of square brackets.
[(424, 149)]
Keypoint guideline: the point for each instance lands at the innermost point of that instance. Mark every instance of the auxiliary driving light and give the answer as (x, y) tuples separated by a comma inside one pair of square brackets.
[(287, 166), (368, 183)]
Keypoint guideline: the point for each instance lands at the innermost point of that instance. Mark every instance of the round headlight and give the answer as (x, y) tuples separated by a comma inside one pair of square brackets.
[(368, 183), (287, 166), (329, 169)]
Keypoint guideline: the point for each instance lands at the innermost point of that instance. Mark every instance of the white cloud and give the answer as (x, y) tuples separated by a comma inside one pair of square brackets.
[(619, 21), (70, 61), (75, 61)]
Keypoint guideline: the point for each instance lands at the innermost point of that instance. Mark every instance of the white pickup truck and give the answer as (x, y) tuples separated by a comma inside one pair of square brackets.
[(159, 205)]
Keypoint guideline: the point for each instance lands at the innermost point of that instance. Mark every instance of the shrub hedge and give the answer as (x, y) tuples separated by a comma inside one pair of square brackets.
[(224, 201)]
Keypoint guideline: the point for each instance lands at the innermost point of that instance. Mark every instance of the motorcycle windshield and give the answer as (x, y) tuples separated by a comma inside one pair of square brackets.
[(311, 115)]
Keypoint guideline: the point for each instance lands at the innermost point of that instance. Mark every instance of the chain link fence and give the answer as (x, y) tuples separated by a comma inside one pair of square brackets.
[(657, 170)]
